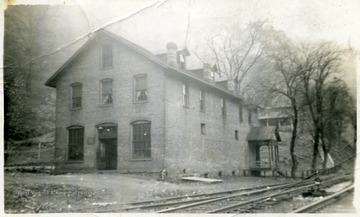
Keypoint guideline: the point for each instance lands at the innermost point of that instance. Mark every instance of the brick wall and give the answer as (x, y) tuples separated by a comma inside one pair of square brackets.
[(185, 146), (86, 70)]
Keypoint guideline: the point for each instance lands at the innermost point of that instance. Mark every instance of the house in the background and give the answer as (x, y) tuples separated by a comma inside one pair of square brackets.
[(279, 117), (119, 107)]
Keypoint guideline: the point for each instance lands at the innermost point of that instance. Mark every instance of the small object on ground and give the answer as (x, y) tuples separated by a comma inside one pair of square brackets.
[(315, 193), (200, 179), (318, 183), (163, 174), (104, 204)]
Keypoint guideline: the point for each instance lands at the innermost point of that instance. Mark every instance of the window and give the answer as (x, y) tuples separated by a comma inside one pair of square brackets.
[(141, 140), (76, 95), (203, 129), (107, 56), (223, 107), (249, 116), (241, 118), (107, 92), (236, 135), (76, 143), (141, 88), (202, 100), (185, 95)]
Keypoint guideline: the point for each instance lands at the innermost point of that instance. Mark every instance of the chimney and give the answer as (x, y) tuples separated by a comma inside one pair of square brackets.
[(231, 84), (207, 72), (172, 54)]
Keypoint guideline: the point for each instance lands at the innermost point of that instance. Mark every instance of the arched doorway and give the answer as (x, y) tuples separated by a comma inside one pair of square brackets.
[(107, 149)]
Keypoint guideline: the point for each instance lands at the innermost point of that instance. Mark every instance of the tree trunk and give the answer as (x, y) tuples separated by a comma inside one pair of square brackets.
[(325, 159), (315, 150), (292, 142)]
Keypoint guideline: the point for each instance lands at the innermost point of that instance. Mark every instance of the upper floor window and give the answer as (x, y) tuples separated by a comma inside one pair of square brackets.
[(185, 92), (107, 92), (202, 100), (223, 107), (76, 143), (141, 139), (107, 56), (202, 129), (249, 116), (241, 118), (140, 88), (76, 95)]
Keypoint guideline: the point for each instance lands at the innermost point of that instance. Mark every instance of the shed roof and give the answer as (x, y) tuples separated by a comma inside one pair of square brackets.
[(263, 134)]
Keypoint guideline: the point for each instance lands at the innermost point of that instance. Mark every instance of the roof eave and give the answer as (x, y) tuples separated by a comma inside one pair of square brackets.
[(51, 81), (204, 82)]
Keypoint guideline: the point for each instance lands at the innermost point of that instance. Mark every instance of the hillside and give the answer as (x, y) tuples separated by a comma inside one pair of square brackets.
[(304, 151), (35, 151)]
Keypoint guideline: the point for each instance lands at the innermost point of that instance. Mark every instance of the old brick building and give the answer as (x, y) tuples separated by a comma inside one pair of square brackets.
[(120, 107)]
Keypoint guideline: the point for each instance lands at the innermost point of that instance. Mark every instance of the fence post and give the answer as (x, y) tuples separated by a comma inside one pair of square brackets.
[(39, 151)]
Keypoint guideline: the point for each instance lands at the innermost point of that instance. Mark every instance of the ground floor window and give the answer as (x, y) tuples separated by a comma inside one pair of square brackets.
[(141, 139), (76, 143), (203, 129)]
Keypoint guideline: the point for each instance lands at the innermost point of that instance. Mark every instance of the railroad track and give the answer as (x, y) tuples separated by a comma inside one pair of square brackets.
[(256, 203), (156, 204), (325, 202), (243, 200), (237, 202)]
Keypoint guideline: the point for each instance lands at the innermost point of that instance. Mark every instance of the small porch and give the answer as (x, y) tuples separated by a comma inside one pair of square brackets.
[(263, 149)]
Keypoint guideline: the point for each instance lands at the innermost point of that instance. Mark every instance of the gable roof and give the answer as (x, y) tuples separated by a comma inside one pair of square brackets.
[(263, 134), (51, 82)]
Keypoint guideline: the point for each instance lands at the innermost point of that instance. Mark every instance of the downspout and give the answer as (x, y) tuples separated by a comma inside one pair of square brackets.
[(164, 120)]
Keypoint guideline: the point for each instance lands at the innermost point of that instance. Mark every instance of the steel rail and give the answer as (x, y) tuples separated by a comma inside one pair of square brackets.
[(224, 198), (152, 203), (205, 194), (205, 200), (265, 198), (161, 202), (323, 202)]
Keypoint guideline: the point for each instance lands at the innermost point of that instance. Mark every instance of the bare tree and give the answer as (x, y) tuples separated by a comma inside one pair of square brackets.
[(283, 78), (234, 51), (320, 62), (305, 76)]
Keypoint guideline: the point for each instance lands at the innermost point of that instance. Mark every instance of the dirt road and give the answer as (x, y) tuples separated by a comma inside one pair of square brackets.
[(28, 192)]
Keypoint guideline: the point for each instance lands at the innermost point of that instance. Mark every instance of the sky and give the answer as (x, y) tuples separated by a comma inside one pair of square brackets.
[(169, 20), (332, 19), (185, 21)]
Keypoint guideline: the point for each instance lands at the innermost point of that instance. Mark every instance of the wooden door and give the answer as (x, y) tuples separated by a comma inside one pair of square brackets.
[(108, 154)]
